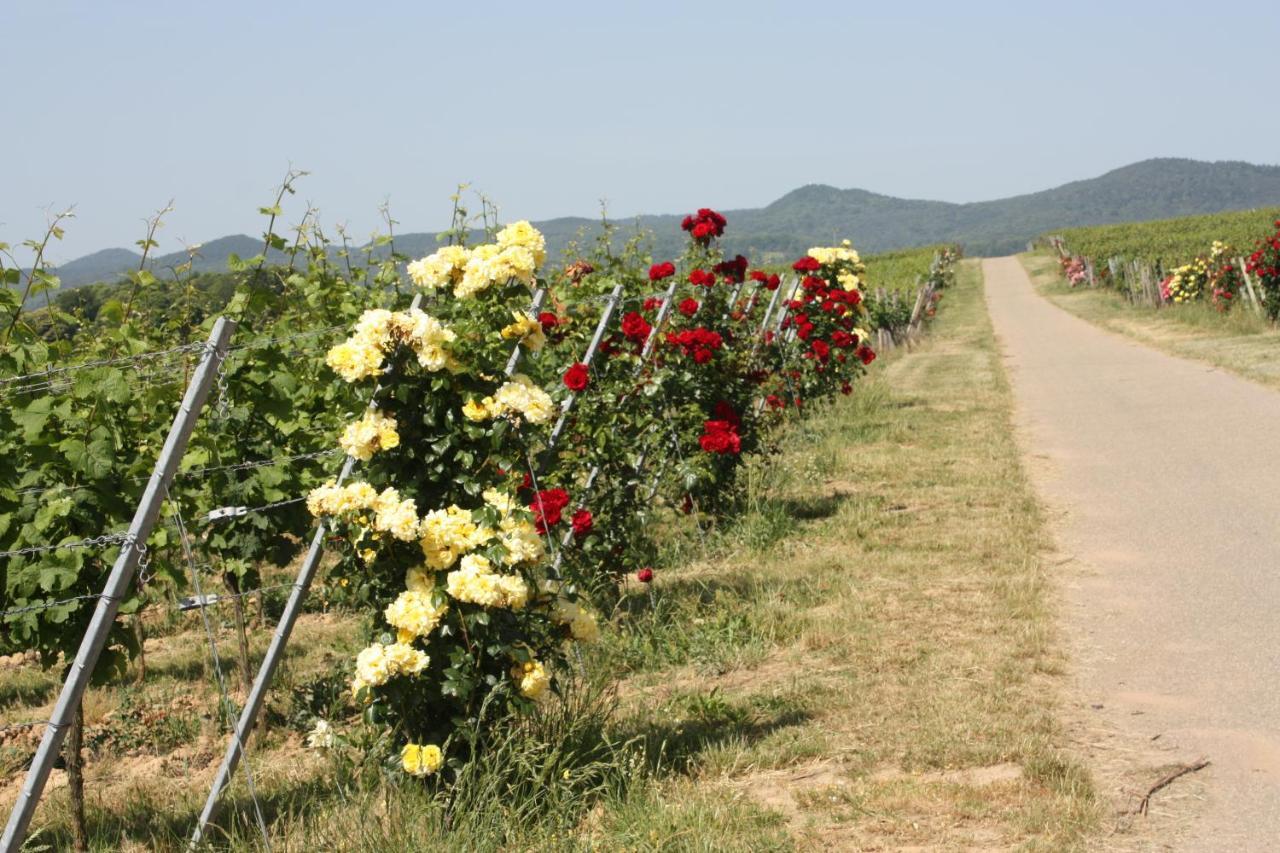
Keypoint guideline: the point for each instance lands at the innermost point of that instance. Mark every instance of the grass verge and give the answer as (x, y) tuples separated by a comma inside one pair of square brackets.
[(1241, 342), (863, 660)]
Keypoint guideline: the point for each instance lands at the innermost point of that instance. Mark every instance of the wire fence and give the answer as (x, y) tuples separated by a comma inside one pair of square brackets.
[(192, 528)]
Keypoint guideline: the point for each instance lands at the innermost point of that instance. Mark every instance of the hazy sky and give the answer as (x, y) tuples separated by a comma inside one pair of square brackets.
[(117, 107)]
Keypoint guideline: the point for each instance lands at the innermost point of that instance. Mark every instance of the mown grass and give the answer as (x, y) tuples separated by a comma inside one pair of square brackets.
[(1242, 342), (863, 660)]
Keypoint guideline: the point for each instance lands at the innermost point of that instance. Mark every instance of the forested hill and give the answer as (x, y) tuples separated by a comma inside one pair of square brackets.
[(1151, 189)]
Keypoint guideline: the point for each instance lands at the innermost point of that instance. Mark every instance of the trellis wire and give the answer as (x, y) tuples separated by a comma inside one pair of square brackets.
[(227, 704), (139, 358), (279, 639), (117, 583)]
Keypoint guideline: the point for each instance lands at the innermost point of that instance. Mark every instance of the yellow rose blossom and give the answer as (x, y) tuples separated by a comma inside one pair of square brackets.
[(580, 621), (442, 268), (421, 759), (523, 235), (475, 582), (520, 396), (331, 499), (526, 330), (533, 680), (395, 516), (419, 580), (355, 359), (372, 433), (415, 613), (476, 411)]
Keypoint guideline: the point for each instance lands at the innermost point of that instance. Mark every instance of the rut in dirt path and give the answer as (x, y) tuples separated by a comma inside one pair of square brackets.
[(1165, 474)]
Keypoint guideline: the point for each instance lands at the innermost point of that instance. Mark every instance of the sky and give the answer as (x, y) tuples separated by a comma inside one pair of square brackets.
[(550, 107)]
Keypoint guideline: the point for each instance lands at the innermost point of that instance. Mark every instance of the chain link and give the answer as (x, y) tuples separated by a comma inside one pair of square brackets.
[(96, 541)]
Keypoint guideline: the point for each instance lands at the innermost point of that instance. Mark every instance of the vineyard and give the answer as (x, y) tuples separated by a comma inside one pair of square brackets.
[(1222, 259), (449, 474)]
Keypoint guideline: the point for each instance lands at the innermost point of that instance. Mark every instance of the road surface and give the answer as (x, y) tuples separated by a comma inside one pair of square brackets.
[(1164, 477)]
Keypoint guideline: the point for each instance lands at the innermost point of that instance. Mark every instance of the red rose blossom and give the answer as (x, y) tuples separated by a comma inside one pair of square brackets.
[(720, 437), (645, 575), (704, 225), (689, 307), (734, 270), (547, 507), (576, 378), (701, 278), (635, 327), (548, 320), (866, 354), (806, 264), (581, 522), (658, 272)]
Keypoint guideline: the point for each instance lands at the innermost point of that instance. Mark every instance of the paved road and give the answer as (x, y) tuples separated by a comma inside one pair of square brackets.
[(1165, 474)]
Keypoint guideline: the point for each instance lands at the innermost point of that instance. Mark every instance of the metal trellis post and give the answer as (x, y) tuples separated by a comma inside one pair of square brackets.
[(275, 652), (117, 586), (601, 327)]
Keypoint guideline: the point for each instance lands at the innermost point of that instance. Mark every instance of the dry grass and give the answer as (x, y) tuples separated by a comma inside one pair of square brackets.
[(1241, 342), (863, 661)]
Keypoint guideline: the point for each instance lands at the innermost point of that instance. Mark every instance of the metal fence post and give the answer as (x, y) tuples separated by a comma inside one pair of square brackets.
[(601, 327), (117, 585), (275, 653), (517, 350)]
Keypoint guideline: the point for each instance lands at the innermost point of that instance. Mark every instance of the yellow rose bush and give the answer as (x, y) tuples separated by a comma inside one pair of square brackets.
[(470, 625)]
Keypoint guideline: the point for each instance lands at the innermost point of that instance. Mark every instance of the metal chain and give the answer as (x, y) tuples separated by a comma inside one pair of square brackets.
[(46, 605), (96, 541)]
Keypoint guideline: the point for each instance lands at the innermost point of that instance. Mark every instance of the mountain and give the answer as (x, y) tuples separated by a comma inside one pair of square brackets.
[(1151, 189)]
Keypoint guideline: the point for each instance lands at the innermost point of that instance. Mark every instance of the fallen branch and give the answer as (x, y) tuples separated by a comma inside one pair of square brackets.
[(1166, 779)]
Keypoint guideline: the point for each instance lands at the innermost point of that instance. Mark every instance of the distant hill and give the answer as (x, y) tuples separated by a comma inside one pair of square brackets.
[(1151, 189)]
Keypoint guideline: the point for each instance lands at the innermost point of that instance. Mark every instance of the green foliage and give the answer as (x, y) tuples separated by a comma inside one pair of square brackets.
[(1170, 242)]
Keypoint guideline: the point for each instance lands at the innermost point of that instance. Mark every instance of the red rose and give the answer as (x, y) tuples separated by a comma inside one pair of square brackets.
[(866, 354), (701, 355), (689, 307), (652, 302), (734, 270), (548, 320), (576, 377), (581, 522), (547, 507), (759, 275), (704, 225), (720, 437), (821, 350), (635, 327), (775, 402), (846, 389), (806, 264), (645, 575), (658, 272), (724, 411), (773, 282), (701, 278)]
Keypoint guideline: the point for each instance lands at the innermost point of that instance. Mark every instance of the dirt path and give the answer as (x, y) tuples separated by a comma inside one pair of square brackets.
[(1164, 475)]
